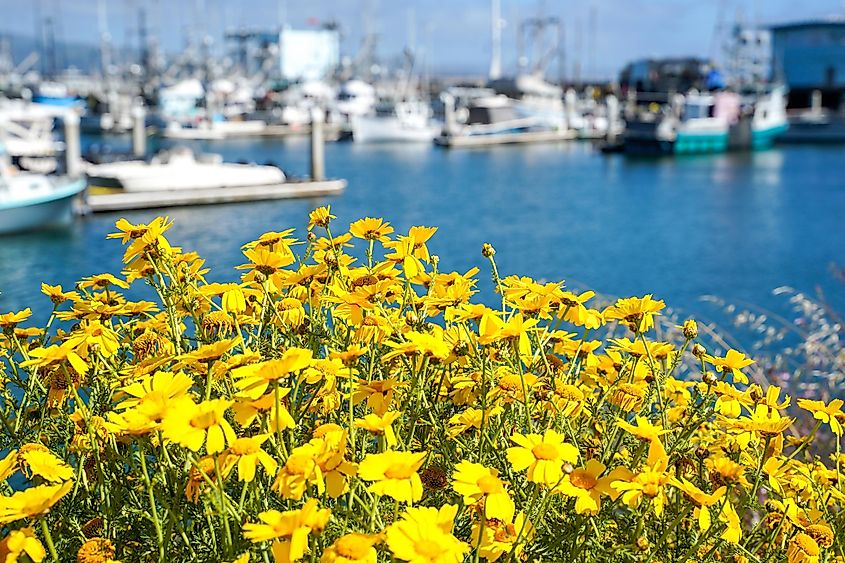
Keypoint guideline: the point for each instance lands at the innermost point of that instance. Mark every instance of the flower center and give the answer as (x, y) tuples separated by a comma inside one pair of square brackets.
[(583, 480), (544, 451), (298, 464)]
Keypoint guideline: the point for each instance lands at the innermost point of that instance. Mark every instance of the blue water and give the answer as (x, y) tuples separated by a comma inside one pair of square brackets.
[(734, 225)]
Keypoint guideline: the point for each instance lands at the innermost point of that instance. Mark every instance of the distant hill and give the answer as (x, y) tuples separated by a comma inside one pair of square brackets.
[(84, 56)]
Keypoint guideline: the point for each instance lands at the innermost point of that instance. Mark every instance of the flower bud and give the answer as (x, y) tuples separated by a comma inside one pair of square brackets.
[(311, 237), (690, 329), (709, 378), (487, 250), (698, 350)]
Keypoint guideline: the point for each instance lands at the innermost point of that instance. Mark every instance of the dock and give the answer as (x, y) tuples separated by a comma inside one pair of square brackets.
[(104, 200), (455, 141)]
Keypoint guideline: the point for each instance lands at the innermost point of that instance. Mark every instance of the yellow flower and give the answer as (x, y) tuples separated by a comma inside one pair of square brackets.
[(380, 425), (299, 472), (733, 531), (479, 484), (31, 502), (829, 414), (320, 217), (371, 229), (628, 396), (248, 455), (638, 312), (247, 410), (802, 549), (732, 363), (501, 537), (56, 295), (351, 548), (292, 527), (41, 462), (650, 482), (701, 500), (155, 394), (394, 474), (21, 542), (55, 356), (252, 380), (424, 535), (644, 429), (543, 456), (11, 320), (101, 281), (587, 485), (8, 465), (471, 418), (191, 425)]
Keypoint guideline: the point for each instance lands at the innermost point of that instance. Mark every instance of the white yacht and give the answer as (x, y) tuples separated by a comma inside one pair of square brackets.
[(33, 201), (179, 169), (478, 119), (404, 121)]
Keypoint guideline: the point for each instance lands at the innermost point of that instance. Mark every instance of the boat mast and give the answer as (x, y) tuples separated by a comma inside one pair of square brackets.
[(496, 36)]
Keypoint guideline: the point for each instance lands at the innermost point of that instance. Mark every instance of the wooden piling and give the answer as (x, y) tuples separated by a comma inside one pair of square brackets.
[(318, 148)]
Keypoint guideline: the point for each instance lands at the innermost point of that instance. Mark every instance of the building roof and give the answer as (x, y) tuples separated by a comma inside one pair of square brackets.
[(833, 22)]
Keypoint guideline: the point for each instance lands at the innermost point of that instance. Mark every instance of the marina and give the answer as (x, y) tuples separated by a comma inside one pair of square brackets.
[(365, 282)]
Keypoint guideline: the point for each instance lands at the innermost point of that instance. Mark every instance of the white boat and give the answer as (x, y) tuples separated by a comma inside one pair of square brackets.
[(354, 99), (26, 133), (213, 130), (31, 201), (406, 121), (179, 169), (493, 120)]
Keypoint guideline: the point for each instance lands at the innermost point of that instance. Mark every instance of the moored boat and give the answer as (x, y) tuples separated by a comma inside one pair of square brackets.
[(179, 169), (30, 201), (701, 123), (406, 121)]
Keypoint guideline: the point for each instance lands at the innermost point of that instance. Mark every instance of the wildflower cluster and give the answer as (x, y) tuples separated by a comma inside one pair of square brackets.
[(360, 407)]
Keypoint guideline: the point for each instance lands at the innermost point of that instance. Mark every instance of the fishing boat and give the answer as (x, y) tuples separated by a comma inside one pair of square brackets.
[(31, 201), (709, 123), (408, 121), (26, 133), (180, 169), (494, 120)]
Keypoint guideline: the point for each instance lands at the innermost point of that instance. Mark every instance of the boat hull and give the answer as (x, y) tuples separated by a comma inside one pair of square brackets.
[(49, 211), (390, 129)]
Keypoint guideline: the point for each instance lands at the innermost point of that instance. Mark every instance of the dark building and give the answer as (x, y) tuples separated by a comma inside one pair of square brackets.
[(809, 56)]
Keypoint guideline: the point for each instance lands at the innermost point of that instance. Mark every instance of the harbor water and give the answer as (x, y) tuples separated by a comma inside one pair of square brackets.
[(734, 225)]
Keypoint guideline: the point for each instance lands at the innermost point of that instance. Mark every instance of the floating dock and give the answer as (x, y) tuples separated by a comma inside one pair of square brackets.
[(103, 200), (504, 138)]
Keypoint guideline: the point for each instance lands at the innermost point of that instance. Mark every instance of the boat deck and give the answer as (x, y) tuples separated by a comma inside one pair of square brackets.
[(103, 200)]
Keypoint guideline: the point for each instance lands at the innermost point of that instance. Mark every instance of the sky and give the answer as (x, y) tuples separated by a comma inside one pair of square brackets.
[(600, 36)]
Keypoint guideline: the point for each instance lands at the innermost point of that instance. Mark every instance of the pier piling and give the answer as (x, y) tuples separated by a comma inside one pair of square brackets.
[(73, 150), (318, 149), (139, 132)]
